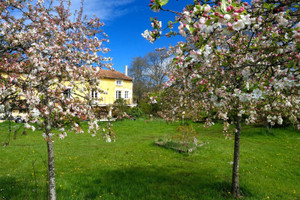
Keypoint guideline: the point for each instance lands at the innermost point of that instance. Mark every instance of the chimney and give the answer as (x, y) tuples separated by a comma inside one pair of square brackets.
[(126, 70)]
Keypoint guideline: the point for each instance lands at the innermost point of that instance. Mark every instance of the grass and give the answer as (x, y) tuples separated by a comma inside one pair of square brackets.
[(135, 168)]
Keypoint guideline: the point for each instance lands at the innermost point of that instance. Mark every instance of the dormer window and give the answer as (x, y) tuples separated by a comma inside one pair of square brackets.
[(119, 82)]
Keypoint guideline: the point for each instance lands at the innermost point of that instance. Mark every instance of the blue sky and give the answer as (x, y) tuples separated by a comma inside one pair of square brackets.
[(125, 20)]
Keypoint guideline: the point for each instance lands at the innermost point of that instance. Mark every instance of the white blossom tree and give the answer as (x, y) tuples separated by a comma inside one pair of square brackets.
[(239, 63), (47, 59)]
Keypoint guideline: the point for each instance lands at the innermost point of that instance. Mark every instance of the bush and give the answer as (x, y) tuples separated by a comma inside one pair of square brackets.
[(120, 108), (148, 108), (136, 112)]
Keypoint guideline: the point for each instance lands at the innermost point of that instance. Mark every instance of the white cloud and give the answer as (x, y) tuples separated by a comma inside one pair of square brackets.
[(104, 9)]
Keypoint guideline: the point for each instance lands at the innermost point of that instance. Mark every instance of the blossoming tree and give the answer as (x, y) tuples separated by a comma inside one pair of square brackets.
[(239, 63), (47, 58)]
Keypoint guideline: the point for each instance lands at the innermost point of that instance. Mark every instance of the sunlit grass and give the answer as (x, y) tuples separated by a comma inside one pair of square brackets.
[(135, 168)]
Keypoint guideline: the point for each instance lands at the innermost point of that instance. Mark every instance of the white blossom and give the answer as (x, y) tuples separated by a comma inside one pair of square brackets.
[(246, 19), (257, 94), (227, 17), (35, 112), (238, 25)]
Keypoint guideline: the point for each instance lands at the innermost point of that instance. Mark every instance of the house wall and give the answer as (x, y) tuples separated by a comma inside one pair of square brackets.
[(110, 87), (109, 97)]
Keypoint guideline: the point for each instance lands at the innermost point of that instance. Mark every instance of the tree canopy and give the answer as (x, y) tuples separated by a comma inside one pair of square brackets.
[(47, 54), (238, 62)]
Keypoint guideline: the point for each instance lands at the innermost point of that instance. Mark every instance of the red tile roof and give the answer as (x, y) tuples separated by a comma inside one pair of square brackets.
[(111, 74)]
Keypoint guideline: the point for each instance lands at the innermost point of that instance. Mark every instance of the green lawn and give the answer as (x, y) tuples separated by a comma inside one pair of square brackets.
[(135, 168)]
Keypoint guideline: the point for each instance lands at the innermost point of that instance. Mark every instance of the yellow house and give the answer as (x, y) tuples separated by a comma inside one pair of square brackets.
[(115, 85)]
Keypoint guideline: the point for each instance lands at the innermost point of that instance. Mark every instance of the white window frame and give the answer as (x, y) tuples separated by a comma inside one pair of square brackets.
[(68, 93), (118, 94), (119, 82), (94, 94), (126, 94)]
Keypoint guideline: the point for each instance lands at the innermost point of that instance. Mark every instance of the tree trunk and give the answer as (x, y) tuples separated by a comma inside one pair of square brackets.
[(52, 191), (235, 187), (268, 127)]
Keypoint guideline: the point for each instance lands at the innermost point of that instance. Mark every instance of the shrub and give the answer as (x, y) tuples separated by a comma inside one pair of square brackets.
[(148, 108), (135, 112), (120, 108)]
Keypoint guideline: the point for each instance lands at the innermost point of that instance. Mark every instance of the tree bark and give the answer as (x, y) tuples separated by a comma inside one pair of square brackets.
[(235, 187), (51, 169), (52, 192)]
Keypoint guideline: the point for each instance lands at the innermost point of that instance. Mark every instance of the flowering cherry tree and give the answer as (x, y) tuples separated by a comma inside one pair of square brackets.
[(47, 58), (239, 62)]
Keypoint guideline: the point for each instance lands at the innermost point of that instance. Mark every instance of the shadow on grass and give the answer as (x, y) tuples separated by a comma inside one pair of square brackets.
[(10, 188), (260, 130), (152, 183), (256, 131), (135, 183)]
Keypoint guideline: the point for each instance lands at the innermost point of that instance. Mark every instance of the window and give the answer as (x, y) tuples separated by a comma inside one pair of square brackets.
[(68, 93), (119, 82), (94, 94), (126, 94), (118, 94)]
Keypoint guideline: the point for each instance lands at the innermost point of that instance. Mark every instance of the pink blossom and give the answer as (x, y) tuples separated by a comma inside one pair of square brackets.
[(241, 9), (229, 25), (207, 8)]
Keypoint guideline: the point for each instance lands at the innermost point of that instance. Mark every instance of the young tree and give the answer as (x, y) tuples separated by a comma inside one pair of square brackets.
[(47, 58), (239, 63)]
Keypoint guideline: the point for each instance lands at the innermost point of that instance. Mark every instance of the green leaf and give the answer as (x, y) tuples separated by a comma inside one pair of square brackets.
[(267, 6), (223, 5), (163, 2), (188, 59), (190, 28), (208, 22), (233, 4), (291, 65), (287, 12)]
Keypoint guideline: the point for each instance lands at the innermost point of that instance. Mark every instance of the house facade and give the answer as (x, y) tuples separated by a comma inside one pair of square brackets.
[(115, 85)]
